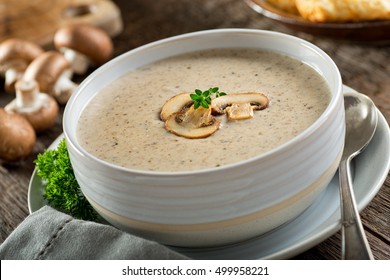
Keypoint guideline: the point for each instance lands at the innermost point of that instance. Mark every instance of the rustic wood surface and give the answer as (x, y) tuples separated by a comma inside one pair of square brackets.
[(37, 20), (365, 68)]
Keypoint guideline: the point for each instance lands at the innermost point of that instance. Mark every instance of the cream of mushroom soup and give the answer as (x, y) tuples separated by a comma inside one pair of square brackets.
[(122, 124)]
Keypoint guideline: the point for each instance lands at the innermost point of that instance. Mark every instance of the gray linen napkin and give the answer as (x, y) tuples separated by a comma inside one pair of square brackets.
[(50, 234)]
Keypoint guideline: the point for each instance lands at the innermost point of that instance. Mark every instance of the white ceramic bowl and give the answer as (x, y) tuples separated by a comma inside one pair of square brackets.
[(216, 206)]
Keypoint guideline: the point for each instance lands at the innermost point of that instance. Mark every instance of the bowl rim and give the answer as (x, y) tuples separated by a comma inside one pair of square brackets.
[(72, 141)]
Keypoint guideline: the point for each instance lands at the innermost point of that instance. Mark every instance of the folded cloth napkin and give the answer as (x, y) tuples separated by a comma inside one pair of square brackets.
[(50, 234)]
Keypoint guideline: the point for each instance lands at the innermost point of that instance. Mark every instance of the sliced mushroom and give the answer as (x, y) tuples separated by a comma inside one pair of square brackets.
[(239, 105), (181, 118), (83, 45), (193, 123), (178, 103), (38, 108), (17, 137), (15, 56), (53, 73), (239, 111)]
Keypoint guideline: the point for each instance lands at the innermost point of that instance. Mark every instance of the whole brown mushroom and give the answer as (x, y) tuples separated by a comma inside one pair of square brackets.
[(83, 45), (17, 137), (38, 108), (15, 56), (53, 73)]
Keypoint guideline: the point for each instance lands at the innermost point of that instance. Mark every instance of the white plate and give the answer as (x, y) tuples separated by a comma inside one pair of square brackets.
[(317, 223)]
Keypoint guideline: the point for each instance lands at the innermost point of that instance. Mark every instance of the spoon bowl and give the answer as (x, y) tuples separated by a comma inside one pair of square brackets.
[(361, 122)]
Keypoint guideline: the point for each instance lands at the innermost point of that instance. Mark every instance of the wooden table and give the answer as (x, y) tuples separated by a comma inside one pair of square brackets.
[(363, 67)]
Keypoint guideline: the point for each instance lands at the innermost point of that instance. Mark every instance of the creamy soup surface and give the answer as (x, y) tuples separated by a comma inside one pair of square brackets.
[(121, 123)]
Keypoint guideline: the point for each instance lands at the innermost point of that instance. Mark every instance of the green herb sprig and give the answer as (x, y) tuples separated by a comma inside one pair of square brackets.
[(203, 98), (61, 188)]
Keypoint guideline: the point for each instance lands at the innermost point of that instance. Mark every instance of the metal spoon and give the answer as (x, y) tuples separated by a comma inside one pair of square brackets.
[(361, 121)]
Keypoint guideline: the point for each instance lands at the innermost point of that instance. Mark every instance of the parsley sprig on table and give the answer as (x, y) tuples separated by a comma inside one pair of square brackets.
[(62, 190), (203, 98)]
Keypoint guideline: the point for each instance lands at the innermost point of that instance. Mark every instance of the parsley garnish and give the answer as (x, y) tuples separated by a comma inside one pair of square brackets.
[(62, 190), (203, 98)]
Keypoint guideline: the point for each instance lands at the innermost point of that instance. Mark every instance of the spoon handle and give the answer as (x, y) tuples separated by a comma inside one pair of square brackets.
[(353, 239)]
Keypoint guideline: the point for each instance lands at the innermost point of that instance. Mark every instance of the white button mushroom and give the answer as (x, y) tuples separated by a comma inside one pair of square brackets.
[(53, 73), (17, 137), (15, 56), (38, 108), (83, 45)]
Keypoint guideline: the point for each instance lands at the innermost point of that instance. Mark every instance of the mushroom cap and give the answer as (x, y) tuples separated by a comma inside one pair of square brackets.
[(86, 39), (17, 137), (177, 103), (45, 117), (44, 110), (18, 51), (46, 69)]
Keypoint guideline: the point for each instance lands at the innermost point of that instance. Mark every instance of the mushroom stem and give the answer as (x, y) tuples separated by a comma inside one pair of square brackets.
[(196, 118), (27, 95), (11, 76), (64, 87), (79, 61)]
